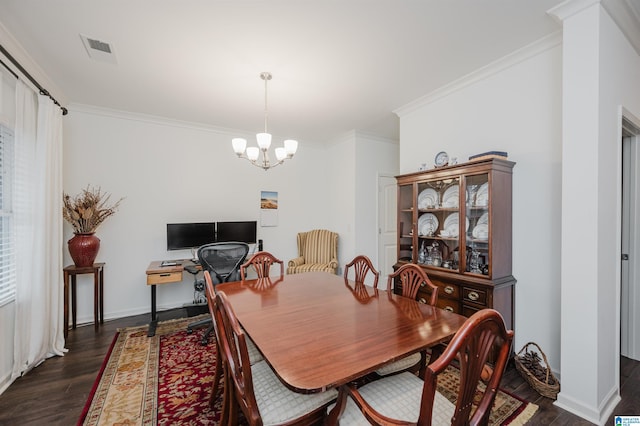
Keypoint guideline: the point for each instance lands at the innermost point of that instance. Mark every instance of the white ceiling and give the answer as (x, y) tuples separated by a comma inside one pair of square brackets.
[(337, 65)]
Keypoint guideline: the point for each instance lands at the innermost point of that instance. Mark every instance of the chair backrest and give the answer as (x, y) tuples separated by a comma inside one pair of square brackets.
[(223, 260), (483, 333), (362, 265), (318, 246), (261, 262), (412, 278), (235, 355)]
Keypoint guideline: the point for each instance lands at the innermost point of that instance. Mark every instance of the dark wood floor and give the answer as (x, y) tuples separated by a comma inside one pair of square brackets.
[(55, 392)]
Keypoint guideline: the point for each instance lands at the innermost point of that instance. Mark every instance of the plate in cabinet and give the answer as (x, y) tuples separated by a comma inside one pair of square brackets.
[(428, 198), (427, 224)]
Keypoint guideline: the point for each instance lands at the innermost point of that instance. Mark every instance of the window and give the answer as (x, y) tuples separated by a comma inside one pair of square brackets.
[(7, 228)]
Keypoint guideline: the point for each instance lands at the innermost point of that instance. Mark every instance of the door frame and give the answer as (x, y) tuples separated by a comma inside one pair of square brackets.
[(629, 303)]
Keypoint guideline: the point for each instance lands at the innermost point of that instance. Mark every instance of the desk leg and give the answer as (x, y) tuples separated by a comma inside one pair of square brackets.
[(154, 318), (101, 295), (66, 304), (96, 299), (73, 300)]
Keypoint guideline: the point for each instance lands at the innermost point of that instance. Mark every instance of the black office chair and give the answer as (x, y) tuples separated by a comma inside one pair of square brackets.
[(223, 261), (199, 297)]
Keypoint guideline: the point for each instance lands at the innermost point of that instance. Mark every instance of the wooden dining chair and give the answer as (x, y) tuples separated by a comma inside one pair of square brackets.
[(261, 262), (411, 278), (406, 399), (254, 353), (362, 266), (263, 398)]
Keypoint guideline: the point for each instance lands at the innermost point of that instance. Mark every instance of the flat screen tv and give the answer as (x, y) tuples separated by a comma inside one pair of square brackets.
[(244, 232), (183, 236)]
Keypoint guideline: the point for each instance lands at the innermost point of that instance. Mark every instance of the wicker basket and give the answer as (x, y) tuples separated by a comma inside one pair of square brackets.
[(550, 387)]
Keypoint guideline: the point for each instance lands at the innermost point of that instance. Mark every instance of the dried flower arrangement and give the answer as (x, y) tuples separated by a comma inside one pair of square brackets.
[(87, 210)]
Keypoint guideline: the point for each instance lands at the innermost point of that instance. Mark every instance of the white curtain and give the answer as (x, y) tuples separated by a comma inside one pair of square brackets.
[(39, 330)]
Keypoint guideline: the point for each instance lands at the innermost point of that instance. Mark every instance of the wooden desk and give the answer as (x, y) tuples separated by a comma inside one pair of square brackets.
[(158, 275), (316, 334), (97, 269)]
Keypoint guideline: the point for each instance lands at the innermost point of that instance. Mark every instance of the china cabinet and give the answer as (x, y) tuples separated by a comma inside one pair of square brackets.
[(455, 222)]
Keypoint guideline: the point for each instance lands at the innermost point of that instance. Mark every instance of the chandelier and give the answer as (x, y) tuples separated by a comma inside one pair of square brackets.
[(264, 142)]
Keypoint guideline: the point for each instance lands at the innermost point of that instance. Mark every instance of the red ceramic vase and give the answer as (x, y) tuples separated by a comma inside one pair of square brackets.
[(83, 249)]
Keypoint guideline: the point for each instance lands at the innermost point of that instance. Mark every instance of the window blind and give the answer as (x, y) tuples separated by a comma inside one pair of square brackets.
[(7, 228)]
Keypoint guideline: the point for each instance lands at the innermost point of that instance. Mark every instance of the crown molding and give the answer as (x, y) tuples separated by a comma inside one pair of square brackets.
[(569, 8), (529, 51), (164, 121), (627, 17), (16, 50)]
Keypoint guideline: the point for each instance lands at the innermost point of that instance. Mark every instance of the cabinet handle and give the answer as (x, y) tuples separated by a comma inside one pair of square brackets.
[(449, 290), (165, 275), (448, 308), (474, 295), (422, 300)]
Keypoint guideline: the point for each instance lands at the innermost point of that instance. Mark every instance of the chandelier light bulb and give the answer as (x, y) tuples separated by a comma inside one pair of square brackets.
[(264, 140), (239, 144), (290, 146), (281, 154), (252, 153)]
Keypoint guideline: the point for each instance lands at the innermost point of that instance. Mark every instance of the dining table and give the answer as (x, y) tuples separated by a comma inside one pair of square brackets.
[(318, 330)]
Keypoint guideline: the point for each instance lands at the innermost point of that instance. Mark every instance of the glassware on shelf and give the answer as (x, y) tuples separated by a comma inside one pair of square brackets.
[(422, 255), (471, 194), (434, 256), (475, 262)]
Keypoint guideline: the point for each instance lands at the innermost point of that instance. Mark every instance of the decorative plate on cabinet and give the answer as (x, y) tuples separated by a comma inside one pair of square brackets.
[(482, 195), (442, 159), (451, 196), (451, 228), (427, 224), (428, 198)]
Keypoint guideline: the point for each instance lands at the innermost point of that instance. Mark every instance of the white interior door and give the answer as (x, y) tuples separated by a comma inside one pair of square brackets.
[(630, 245), (387, 227)]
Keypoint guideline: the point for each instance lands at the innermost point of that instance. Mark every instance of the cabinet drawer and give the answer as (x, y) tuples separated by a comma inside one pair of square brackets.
[(448, 305), (446, 289), (167, 277), (474, 295)]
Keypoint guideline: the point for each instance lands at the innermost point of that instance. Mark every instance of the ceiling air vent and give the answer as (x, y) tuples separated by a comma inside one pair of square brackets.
[(99, 50)]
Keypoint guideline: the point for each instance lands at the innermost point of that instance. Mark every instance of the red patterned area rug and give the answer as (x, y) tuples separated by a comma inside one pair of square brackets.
[(167, 379)]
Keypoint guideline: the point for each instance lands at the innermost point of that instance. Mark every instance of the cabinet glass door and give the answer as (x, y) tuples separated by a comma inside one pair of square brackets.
[(478, 213), (439, 224), (405, 222)]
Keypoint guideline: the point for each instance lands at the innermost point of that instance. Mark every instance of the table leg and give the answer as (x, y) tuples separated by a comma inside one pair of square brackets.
[(154, 318), (96, 299), (66, 304), (101, 295), (73, 300)]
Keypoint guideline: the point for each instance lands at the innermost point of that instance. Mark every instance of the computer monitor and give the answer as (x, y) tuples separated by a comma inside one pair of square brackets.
[(184, 236), (243, 231)]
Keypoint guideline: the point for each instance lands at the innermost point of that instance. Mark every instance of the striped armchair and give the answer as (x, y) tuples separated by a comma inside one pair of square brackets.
[(317, 251)]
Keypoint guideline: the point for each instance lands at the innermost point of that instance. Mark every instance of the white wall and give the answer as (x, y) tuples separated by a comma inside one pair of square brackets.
[(177, 172), (356, 160), (513, 105), (374, 157), (601, 78), (341, 157)]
